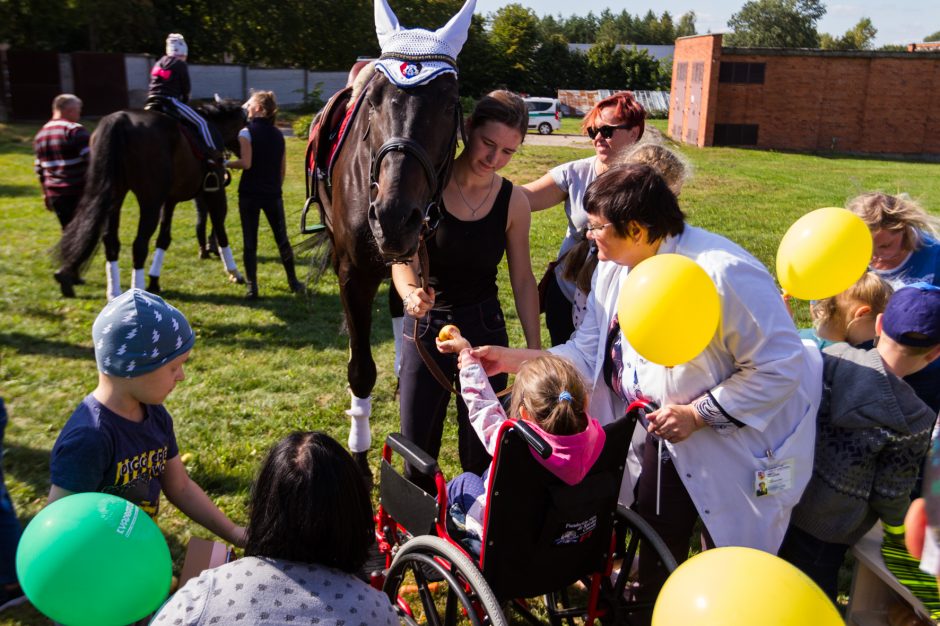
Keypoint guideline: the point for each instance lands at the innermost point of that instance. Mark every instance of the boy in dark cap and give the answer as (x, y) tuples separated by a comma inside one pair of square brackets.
[(120, 439), (872, 433)]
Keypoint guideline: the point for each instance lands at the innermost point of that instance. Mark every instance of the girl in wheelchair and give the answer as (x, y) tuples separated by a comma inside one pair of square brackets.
[(550, 395)]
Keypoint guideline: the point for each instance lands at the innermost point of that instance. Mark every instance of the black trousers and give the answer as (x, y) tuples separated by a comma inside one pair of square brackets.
[(557, 312), (820, 560), (250, 208), (424, 402), (676, 519), (63, 207)]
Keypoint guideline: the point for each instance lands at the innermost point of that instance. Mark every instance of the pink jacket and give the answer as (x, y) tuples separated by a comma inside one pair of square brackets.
[(572, 455)]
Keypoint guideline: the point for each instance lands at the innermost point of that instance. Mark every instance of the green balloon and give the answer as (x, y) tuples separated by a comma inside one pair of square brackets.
[(94, 559)]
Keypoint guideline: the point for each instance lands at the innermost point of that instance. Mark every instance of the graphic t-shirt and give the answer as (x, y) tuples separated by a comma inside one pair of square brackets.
[(98, 450)]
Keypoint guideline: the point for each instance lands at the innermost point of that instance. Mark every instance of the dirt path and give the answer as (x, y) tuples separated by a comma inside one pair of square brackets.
[(557, 139)]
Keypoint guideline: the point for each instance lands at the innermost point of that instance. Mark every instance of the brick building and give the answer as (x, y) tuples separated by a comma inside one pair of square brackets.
[(801, 99)]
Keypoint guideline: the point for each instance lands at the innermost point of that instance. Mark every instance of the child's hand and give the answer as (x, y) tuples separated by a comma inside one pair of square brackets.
[(450, 341)]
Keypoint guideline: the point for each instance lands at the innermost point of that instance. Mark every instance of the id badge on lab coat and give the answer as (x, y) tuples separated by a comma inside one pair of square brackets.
[(774, 479)]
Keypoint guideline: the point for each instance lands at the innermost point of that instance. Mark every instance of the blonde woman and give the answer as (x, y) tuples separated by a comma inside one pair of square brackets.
[(906, 249), (264, 162)]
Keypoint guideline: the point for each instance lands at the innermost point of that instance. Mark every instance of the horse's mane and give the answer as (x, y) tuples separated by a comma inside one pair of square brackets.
[(212, 108), (362, 79)]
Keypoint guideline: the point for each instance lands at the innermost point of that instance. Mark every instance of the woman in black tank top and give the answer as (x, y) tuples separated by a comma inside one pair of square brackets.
[(484, 216)]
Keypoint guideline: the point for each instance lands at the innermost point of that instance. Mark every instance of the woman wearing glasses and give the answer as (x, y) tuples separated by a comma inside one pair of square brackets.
[(741, 411), (614, 124)]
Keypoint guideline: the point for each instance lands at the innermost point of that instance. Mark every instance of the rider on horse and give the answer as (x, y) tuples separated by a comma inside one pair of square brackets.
[(170, 86)]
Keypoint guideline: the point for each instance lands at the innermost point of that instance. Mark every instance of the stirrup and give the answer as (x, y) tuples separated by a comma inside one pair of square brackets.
[(211, 183), (310, 229)]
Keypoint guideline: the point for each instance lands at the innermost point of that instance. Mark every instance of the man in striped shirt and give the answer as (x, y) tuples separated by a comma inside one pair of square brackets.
[(61, 148)]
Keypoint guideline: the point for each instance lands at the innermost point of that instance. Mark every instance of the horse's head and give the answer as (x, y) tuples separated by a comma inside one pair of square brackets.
[(412, 137), (228, 116), (413, 119)]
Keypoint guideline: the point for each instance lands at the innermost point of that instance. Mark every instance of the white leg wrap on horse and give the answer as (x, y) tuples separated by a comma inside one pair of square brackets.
[(157, 266), (398, 328), (360, 434), (227, 258), (137, 279), (113, 272)]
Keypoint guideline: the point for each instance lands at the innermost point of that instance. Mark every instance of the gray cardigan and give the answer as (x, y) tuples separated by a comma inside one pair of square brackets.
[(872, 433)]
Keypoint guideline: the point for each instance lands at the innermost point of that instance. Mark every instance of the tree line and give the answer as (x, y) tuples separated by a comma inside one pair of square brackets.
[(792, 24), (512, 48)]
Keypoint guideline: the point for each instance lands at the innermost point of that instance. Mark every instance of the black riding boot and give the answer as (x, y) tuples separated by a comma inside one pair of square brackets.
[(295, 285)]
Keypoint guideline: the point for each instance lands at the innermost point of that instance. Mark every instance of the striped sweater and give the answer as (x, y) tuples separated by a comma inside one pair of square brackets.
[(61, 149)]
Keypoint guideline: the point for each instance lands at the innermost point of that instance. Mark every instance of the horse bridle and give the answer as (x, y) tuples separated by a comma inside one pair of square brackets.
[(437, 179)]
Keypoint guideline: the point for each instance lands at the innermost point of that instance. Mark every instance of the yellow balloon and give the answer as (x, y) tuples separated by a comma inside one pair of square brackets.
[(823, 253), (735, 586), (668, 309)]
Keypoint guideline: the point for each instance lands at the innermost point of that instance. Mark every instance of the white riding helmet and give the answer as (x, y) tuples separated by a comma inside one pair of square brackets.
[(176, 45)]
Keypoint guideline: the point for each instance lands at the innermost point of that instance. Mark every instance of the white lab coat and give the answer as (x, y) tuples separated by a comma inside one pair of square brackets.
[(755, 367)]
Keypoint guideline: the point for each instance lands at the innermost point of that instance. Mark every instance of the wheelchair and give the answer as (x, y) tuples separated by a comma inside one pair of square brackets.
[(541, 539)]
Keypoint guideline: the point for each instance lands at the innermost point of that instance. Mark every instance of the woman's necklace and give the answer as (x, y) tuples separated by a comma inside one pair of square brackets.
[(473, 211)]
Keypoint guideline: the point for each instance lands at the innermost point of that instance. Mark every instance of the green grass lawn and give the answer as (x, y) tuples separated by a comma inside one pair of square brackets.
[(263, 369), (572, 125)]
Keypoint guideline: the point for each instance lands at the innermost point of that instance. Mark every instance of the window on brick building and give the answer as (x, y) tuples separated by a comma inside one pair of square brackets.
[(733, 72), (735, 135)]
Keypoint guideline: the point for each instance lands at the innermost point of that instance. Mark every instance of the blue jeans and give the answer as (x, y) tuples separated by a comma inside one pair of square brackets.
[(10, 528), (462, 492)]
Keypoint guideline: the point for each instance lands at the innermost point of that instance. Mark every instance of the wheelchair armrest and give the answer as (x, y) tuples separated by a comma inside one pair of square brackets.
[(413, 455), (541, 447)]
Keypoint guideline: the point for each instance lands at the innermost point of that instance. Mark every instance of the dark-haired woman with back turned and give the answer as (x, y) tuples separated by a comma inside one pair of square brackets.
[(309, 532)]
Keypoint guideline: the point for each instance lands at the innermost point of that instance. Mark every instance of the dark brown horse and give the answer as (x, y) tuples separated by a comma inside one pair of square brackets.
[(147, 153), (383, 193)]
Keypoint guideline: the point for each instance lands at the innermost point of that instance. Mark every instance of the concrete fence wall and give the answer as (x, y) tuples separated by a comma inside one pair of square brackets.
[(290, 85)]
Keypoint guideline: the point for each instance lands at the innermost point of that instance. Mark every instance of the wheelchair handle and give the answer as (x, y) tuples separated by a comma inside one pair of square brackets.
[(413, 455), (639, 409), (541, 447)]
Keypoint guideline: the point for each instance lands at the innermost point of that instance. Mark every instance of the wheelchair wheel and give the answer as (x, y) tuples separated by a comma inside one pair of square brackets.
[(442, 583), (639, 541)]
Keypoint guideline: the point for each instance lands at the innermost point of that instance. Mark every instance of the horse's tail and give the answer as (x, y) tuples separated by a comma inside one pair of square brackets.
[(320, 249), (105, 171)]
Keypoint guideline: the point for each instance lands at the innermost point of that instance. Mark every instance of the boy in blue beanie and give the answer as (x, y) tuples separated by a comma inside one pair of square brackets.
[(120, 439)]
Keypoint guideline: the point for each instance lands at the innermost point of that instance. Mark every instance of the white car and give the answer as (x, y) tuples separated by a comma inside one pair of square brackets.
[(544, 114)]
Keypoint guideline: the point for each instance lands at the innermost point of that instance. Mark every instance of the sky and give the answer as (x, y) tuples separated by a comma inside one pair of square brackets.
[(901, 22)]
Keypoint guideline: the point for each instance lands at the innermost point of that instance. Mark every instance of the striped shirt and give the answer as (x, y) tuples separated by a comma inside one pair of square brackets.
[(61, 149)]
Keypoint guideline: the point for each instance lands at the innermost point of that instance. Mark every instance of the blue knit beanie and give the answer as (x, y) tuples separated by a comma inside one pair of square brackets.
[(137, 332)]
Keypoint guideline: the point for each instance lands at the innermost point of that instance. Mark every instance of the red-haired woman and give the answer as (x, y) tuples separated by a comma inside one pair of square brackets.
[(614, 124)]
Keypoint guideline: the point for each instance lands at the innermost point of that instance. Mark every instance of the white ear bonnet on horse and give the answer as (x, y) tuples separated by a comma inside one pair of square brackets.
[(404, 50), (176, 45)]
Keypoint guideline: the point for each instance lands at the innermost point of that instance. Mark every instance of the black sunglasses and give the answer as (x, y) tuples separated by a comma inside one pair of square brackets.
[(606, 131)]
